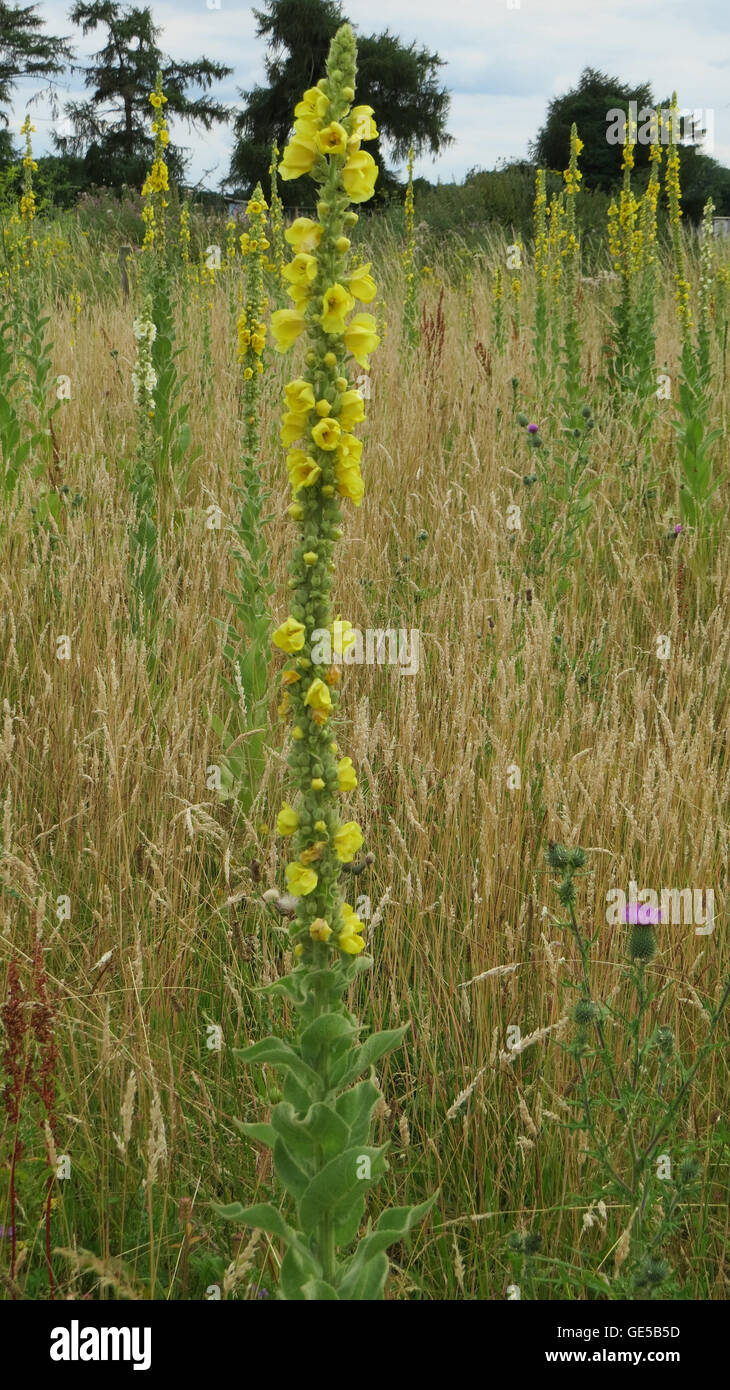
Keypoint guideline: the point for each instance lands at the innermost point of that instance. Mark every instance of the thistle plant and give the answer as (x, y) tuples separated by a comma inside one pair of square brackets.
[(632, 1107), (319, 1132)]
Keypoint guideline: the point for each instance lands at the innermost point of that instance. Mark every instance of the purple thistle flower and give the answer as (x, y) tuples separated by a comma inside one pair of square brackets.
[(678, 529), (642, 915), (532, 429)]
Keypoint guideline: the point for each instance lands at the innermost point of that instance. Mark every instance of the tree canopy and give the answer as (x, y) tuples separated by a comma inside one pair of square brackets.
[(400, 81), (112, 128), (26, 50)]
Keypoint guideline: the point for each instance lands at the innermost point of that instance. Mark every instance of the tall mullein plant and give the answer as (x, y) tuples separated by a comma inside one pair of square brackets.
[(247, 648), (570, 254), (696, 442), (542, 260), (320, 1131)]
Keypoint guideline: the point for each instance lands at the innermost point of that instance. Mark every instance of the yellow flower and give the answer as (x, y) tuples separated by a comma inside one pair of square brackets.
[(349, 482), (360, 337), (320, 929), (298, 158), (359, 175), (337, 303), (363, 125), (349, 940), (292, 427), (299, 395), (303, 469), (313, 105), (333, 139), (290, 677), (326, 434), (289, 637), (318, 697), (300, 880), (287, 821), (311, 855), (343, 635), (300, 294), (317, 784), (301, 270), (304, 234), (286, 325), (349, 450), (347, 840), (346, 775), (362, 285), (352, 410)]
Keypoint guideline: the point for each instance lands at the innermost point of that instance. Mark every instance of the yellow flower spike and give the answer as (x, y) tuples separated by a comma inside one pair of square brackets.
[(361, 338), (346, 775), (300, 879), (289, 637), (337, 303), (287, 821), (347, 841)]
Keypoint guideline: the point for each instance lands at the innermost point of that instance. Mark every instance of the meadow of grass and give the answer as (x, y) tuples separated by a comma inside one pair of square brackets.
[(527, 660)]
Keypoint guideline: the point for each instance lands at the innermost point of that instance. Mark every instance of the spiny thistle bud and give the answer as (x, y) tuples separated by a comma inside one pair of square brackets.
[(642, 945), (525, 1242), (558, 857), (585, 1011), (665, 1041), (652, 1272), (566, 891), (689, 1172)]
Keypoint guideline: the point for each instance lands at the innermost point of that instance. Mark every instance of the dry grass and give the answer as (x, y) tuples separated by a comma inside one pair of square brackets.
[(104, 798)]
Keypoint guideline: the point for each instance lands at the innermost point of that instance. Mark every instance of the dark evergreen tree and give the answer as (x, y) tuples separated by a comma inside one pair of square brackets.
[(400, 81), (26, 50), (112, 128)]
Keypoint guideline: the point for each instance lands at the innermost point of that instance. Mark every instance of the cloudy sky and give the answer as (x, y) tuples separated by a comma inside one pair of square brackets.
[(504, 59)]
